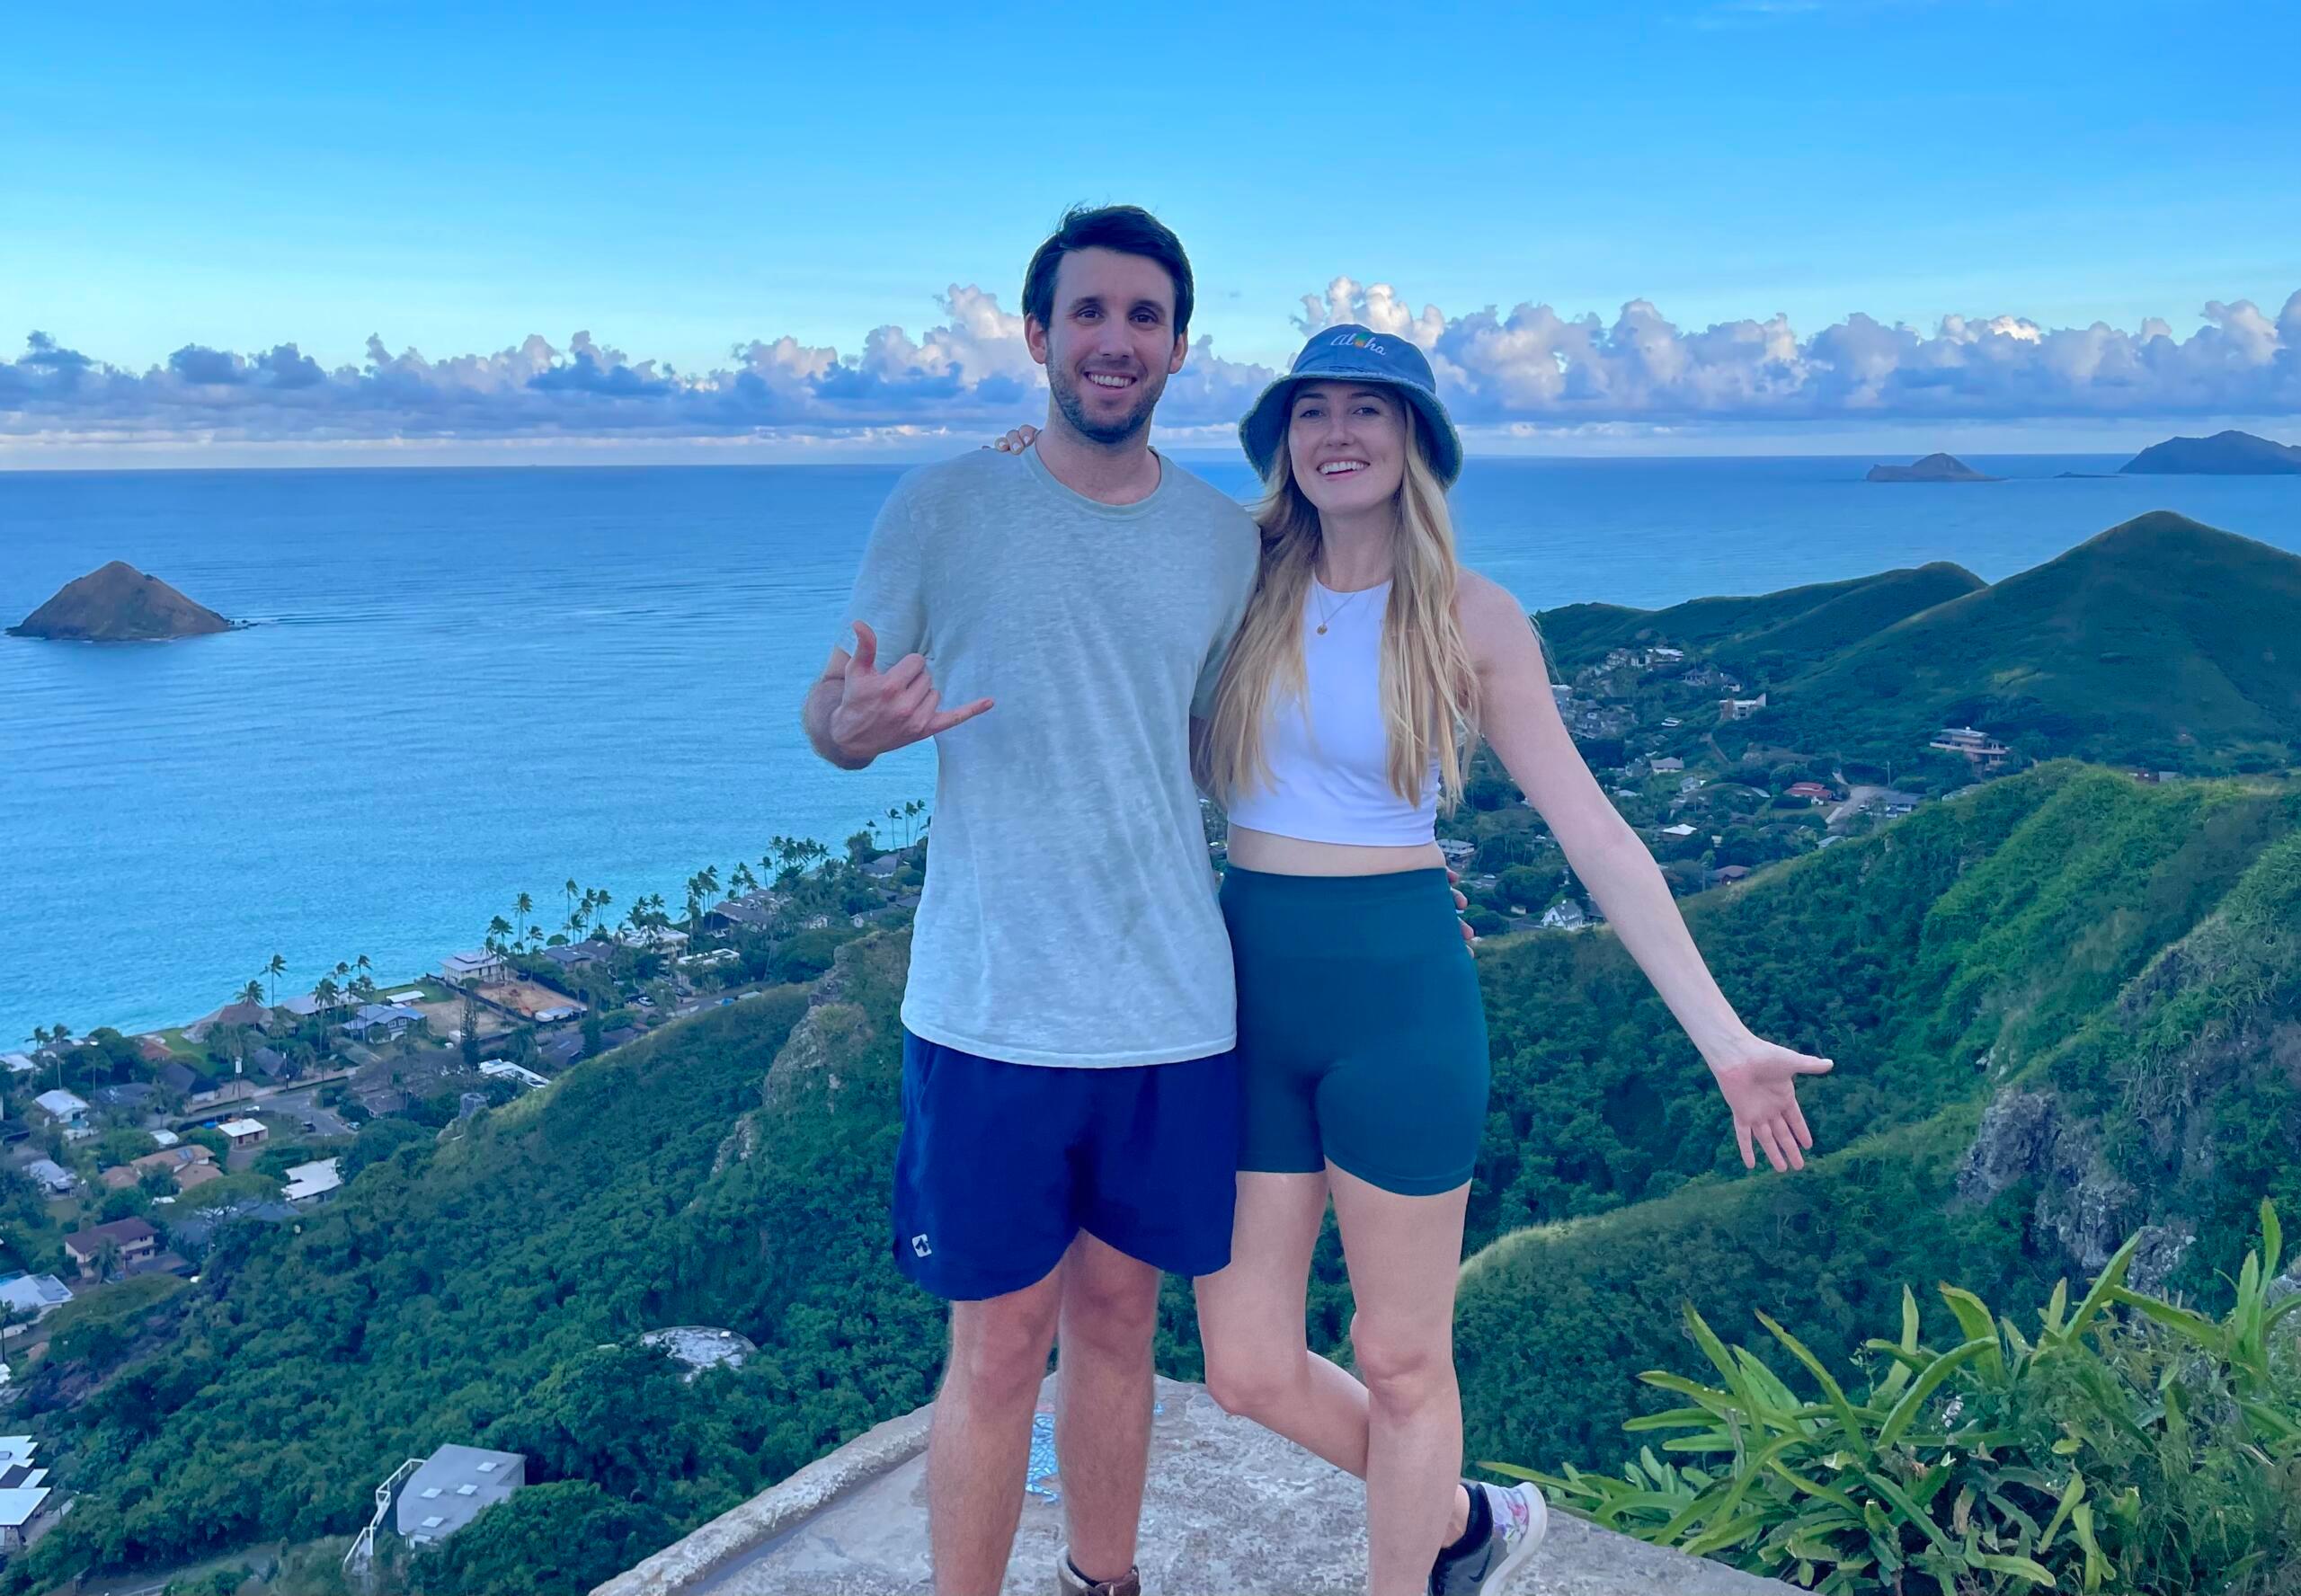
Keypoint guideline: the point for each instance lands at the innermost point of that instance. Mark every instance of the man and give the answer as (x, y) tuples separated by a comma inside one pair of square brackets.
[(1069, 1101)]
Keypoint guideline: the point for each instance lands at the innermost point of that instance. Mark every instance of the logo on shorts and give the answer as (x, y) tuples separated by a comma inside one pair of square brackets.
[(918, 1246)]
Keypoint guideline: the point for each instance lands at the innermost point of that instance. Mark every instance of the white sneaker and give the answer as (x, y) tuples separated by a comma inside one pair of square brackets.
[(1520, 1518)]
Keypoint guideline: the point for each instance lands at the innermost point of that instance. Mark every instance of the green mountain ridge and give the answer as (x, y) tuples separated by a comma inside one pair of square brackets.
[(2155, 641), (2160, 642), (1579, 634)]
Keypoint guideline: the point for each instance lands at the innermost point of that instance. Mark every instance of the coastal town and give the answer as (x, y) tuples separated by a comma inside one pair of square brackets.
[(130, 1159), (1645, 720)]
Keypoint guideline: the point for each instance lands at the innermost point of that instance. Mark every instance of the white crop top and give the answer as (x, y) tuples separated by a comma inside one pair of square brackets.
[(1329, 769)]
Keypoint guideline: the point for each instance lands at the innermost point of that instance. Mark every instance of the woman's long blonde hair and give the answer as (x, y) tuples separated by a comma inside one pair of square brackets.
[(1429, 687)]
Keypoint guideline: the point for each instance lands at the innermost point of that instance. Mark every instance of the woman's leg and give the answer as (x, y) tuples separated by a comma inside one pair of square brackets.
[(1250, 1320), (1404, 1253)]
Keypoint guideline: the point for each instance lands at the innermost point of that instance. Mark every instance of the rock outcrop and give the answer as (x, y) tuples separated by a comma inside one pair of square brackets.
[(1232, 1511), (2225, 454), (118, 603), (1933, 468)]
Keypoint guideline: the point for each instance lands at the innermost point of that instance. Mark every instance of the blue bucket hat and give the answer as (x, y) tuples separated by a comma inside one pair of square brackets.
[(1352, 353)]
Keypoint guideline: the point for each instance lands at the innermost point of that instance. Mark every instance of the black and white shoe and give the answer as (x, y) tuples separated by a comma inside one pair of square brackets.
[(1519, 1519)]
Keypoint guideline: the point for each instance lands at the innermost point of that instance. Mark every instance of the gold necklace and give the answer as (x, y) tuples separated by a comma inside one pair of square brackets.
[(1325, 613)]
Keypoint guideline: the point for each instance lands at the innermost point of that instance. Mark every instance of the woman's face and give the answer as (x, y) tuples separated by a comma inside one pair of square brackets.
[(1347, 445)]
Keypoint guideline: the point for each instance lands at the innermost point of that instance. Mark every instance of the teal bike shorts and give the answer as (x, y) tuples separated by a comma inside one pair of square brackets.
[(1361, 1033)]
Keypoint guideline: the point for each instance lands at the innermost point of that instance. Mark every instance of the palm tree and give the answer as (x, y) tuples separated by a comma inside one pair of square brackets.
[(325, 994), (498, 929), (252, 993), (911, 809), (364, 967), (570, 890), (526, 907), (275, 970)]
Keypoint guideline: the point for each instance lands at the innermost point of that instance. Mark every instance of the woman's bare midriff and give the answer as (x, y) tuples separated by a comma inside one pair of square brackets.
[(1294, 855)]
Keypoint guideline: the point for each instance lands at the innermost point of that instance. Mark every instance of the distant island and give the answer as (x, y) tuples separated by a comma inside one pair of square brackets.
[(118, 603), (1933, 468), (2225, 454)]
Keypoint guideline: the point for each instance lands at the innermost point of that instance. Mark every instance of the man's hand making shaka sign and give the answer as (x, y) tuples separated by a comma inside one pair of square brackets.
[(857, 712)]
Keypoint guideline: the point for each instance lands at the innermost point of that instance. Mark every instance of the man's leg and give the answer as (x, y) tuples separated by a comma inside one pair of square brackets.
[(1102, 1423), (979, 1440)]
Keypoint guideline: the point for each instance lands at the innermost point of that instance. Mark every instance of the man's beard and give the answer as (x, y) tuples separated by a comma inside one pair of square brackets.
[(1109, 434)]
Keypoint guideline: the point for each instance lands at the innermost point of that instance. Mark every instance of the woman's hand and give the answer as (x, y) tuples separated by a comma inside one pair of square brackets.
[(1760, 1081), (1016, 442)]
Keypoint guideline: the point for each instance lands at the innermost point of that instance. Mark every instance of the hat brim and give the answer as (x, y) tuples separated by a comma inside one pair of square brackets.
[(1262, 432)]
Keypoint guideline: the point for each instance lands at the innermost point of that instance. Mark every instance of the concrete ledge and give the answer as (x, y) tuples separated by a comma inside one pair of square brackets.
[(701, 1560), (1231, 1510)]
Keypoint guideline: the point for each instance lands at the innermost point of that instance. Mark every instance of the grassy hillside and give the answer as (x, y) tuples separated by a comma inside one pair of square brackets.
[(1809, 619), (2161, 641), (2089, 1029)]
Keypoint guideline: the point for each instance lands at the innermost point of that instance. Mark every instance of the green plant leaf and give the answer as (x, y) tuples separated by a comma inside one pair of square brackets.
[(1905, 1411), (1916, 1517), (1977, 1322), (1856, 1433)]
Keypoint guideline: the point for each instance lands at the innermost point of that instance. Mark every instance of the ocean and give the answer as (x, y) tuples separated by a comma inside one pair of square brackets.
[(468, 684)]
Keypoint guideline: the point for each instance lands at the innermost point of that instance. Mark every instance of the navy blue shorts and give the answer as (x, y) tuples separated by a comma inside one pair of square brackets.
[(1003, 1165)]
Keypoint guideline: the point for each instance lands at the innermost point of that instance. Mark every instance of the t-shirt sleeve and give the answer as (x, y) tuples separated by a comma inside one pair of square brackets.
[(890, 593), (1210, 674)]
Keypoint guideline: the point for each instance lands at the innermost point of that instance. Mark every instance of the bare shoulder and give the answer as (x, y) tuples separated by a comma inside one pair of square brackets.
[(1490, 613)]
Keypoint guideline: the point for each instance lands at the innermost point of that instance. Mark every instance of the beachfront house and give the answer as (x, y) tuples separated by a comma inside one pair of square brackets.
[(130, 1243), (481, 967), (654, 936), (752, 911), (244, 1133), (19, 1063), (451, 1488), (255, 1016), (576, 955), (382, 1022)]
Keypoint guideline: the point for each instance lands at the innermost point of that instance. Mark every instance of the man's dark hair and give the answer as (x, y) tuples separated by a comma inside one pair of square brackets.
[(1128, 229)]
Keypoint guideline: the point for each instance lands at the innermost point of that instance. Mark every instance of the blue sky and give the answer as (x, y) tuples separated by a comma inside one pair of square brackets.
[(699, 180)]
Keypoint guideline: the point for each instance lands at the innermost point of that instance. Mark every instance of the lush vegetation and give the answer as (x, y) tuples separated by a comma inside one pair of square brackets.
[(2126, 1443), (2158, 642), (2121, 952)]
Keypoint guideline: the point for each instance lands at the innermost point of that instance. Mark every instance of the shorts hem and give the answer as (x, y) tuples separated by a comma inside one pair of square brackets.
[(1174, 1261), (1408, 1185), (1270, 1167), (960, 1285)]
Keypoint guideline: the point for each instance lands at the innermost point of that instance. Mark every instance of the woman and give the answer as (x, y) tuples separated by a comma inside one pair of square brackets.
[(1368, 666)]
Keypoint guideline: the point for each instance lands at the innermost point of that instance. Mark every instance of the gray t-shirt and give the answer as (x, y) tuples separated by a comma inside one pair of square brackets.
[(1070, 915)]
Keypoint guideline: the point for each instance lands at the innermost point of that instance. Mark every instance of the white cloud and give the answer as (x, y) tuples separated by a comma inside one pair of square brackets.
[(1530, 367)]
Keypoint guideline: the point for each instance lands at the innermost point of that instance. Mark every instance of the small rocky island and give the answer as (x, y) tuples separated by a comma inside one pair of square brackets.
[(118, 603), (1933, 468), (2225, 454)]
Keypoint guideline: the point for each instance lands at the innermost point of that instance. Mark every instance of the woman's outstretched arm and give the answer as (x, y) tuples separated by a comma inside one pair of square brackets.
[(1519, 718)]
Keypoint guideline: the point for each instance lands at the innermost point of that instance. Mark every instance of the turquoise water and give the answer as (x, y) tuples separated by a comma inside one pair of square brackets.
[(470, 684)]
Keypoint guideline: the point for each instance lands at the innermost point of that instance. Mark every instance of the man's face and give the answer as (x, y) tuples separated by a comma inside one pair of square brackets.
[(1112, 344)]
